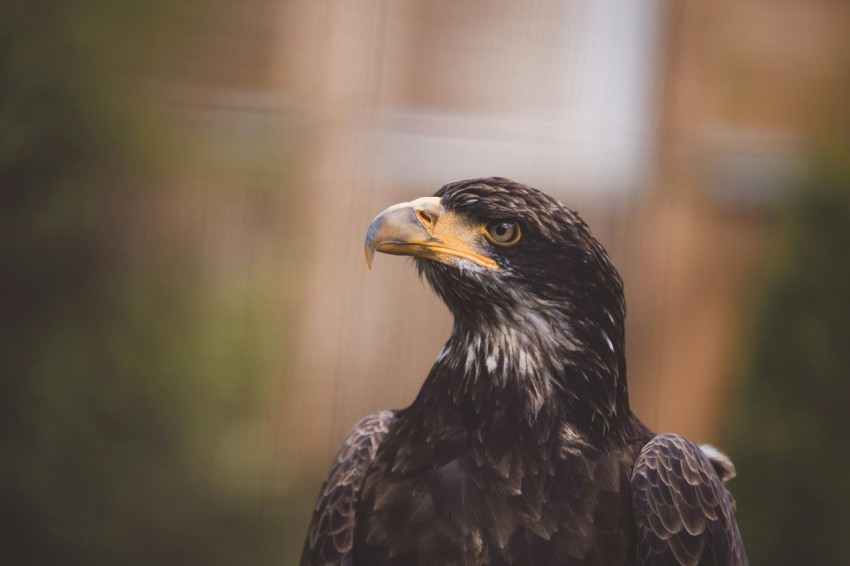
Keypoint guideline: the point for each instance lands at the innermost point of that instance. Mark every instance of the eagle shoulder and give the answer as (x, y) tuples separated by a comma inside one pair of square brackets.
[(330, 536), (683, 513)]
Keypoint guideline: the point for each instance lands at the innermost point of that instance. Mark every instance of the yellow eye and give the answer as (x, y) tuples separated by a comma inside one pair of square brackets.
[(503, 232)]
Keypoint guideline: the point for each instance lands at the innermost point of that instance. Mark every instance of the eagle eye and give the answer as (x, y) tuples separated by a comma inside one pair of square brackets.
[(503, 232)]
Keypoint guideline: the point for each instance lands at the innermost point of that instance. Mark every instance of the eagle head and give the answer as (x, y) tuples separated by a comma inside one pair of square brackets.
[(537, 303)]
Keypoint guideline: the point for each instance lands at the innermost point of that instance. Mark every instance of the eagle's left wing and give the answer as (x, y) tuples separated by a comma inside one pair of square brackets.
[(330, 538), (683, 513)]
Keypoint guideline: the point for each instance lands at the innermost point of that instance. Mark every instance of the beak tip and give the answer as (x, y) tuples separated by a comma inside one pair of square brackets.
[(370, 252)]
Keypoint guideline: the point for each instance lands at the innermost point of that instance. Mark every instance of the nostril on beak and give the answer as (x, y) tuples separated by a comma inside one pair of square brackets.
[(425, 218)]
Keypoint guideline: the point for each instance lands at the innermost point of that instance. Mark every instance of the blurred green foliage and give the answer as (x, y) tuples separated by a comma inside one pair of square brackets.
[(128, 404), (790, 440)]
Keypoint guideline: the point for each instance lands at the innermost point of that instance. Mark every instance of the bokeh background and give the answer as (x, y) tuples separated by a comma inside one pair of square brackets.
[(188, 327)]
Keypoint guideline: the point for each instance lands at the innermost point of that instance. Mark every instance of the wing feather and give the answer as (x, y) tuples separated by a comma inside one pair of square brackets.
[(330, 537), (683, 513)]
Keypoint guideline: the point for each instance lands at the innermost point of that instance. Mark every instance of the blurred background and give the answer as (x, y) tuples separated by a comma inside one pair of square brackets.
[(188, 325)]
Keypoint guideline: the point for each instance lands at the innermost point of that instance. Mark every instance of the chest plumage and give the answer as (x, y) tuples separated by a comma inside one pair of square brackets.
[(494, 496)]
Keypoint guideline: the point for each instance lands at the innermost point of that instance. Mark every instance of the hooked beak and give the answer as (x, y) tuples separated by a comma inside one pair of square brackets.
[(423, 228)]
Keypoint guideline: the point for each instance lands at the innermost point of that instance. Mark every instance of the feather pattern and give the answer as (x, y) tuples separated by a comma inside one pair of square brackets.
[(683, 513), (330, 538)]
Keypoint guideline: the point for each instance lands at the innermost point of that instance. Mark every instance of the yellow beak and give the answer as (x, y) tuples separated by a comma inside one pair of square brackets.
[(423, 228)]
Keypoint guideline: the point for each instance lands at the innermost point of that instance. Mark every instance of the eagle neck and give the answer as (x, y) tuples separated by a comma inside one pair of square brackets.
[(536, 370)]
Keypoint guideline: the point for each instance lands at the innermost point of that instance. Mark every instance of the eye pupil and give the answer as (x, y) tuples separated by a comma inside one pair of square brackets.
[(501, 229)]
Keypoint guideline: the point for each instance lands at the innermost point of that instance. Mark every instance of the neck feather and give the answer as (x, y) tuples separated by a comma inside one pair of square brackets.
[(539, 368)]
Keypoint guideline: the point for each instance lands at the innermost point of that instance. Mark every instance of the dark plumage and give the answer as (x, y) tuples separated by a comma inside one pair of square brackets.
[(521, 447)]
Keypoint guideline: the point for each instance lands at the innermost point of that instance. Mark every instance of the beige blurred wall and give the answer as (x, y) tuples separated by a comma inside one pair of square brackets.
[(747, 88)]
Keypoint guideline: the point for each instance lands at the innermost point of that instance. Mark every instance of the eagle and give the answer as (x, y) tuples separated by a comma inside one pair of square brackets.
[(520, 447)]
